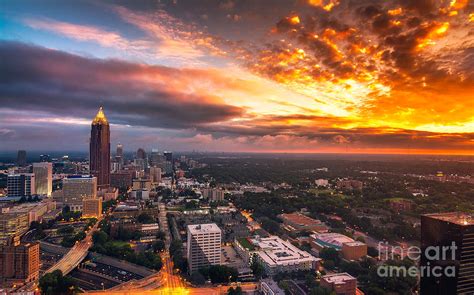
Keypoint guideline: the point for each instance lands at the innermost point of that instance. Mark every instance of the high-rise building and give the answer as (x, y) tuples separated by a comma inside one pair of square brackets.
[(451, 235), (76, 188), (140, 183), (100, 149), (141, 154), (12, 224), (203, 246), (156, 158), (21, 158), (45, 158), (119, 154), (119, 151), (21, 185), (155, 174), (92, 207), (43, 178), (122, 179), (213, 194), (168, 156), (19, 263)]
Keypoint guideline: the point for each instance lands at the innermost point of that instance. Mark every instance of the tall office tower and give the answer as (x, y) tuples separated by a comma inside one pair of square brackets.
[(119, 154), (77, 188), (21, 158), (156, 158), (141, 154), (155, 174), (100, 149), (43, 178), (119, 151), (203, 246), (168, 156), (21, 185), (439, 232), (19, 262), (45, 158)]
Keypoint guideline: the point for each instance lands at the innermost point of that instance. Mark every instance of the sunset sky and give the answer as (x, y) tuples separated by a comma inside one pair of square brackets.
[(354, 76)]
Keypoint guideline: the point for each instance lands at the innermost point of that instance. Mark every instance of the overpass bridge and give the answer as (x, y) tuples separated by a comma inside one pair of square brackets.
[(76, 254)]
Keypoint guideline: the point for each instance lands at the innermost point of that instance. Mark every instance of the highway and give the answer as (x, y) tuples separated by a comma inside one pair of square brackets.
[(76, 254), (166, 282)]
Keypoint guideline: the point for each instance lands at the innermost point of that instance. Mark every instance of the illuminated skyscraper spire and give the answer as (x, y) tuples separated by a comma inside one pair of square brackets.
[(100, 118), (100, 149)]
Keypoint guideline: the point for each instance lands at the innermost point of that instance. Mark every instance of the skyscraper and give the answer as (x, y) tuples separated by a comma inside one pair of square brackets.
[(141, 154), (45, 158), (168, 156), (43, 178), (21, 158), (100, 149), (451, 235), (119, 154), (21, 185)]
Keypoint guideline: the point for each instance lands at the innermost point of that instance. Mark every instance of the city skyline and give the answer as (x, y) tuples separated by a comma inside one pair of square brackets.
[(235, 76)]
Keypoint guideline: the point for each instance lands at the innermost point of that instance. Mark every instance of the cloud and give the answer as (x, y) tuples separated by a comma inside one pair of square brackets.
[(48, 80), (86, 33), (52, 95), (384, 62)]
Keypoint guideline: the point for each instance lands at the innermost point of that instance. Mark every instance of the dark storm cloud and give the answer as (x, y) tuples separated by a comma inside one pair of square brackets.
[(39, 79)]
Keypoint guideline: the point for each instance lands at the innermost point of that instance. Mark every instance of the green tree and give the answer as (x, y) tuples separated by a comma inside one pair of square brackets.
[(175, 246), (55, 283), (145, 218), (197, 278), (257, 269), (100, 237), (69, 229), (221, 274), (158, 245), (161, 235), (236, 291), (330, 254), (270, 225)]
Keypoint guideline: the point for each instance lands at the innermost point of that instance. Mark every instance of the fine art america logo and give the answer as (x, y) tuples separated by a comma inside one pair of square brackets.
[(430, 254)]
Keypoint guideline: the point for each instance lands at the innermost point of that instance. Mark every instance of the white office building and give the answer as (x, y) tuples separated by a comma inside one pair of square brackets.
[(203, 246), (43, 178), (277, 255)]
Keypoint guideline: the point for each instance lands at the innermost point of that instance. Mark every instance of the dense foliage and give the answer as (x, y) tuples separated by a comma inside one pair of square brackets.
[(55, 283), (122, 250)]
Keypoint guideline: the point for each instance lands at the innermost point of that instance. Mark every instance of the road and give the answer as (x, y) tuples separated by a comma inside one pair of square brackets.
[(77, 253), (163, 221), (166, 282)]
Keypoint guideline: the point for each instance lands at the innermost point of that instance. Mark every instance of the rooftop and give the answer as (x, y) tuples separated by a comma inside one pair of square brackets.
[(274, 251), (458, 218), (332, 239), (355, 243), (79, 176), (338, 278), (300, 219), (203, 228)]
